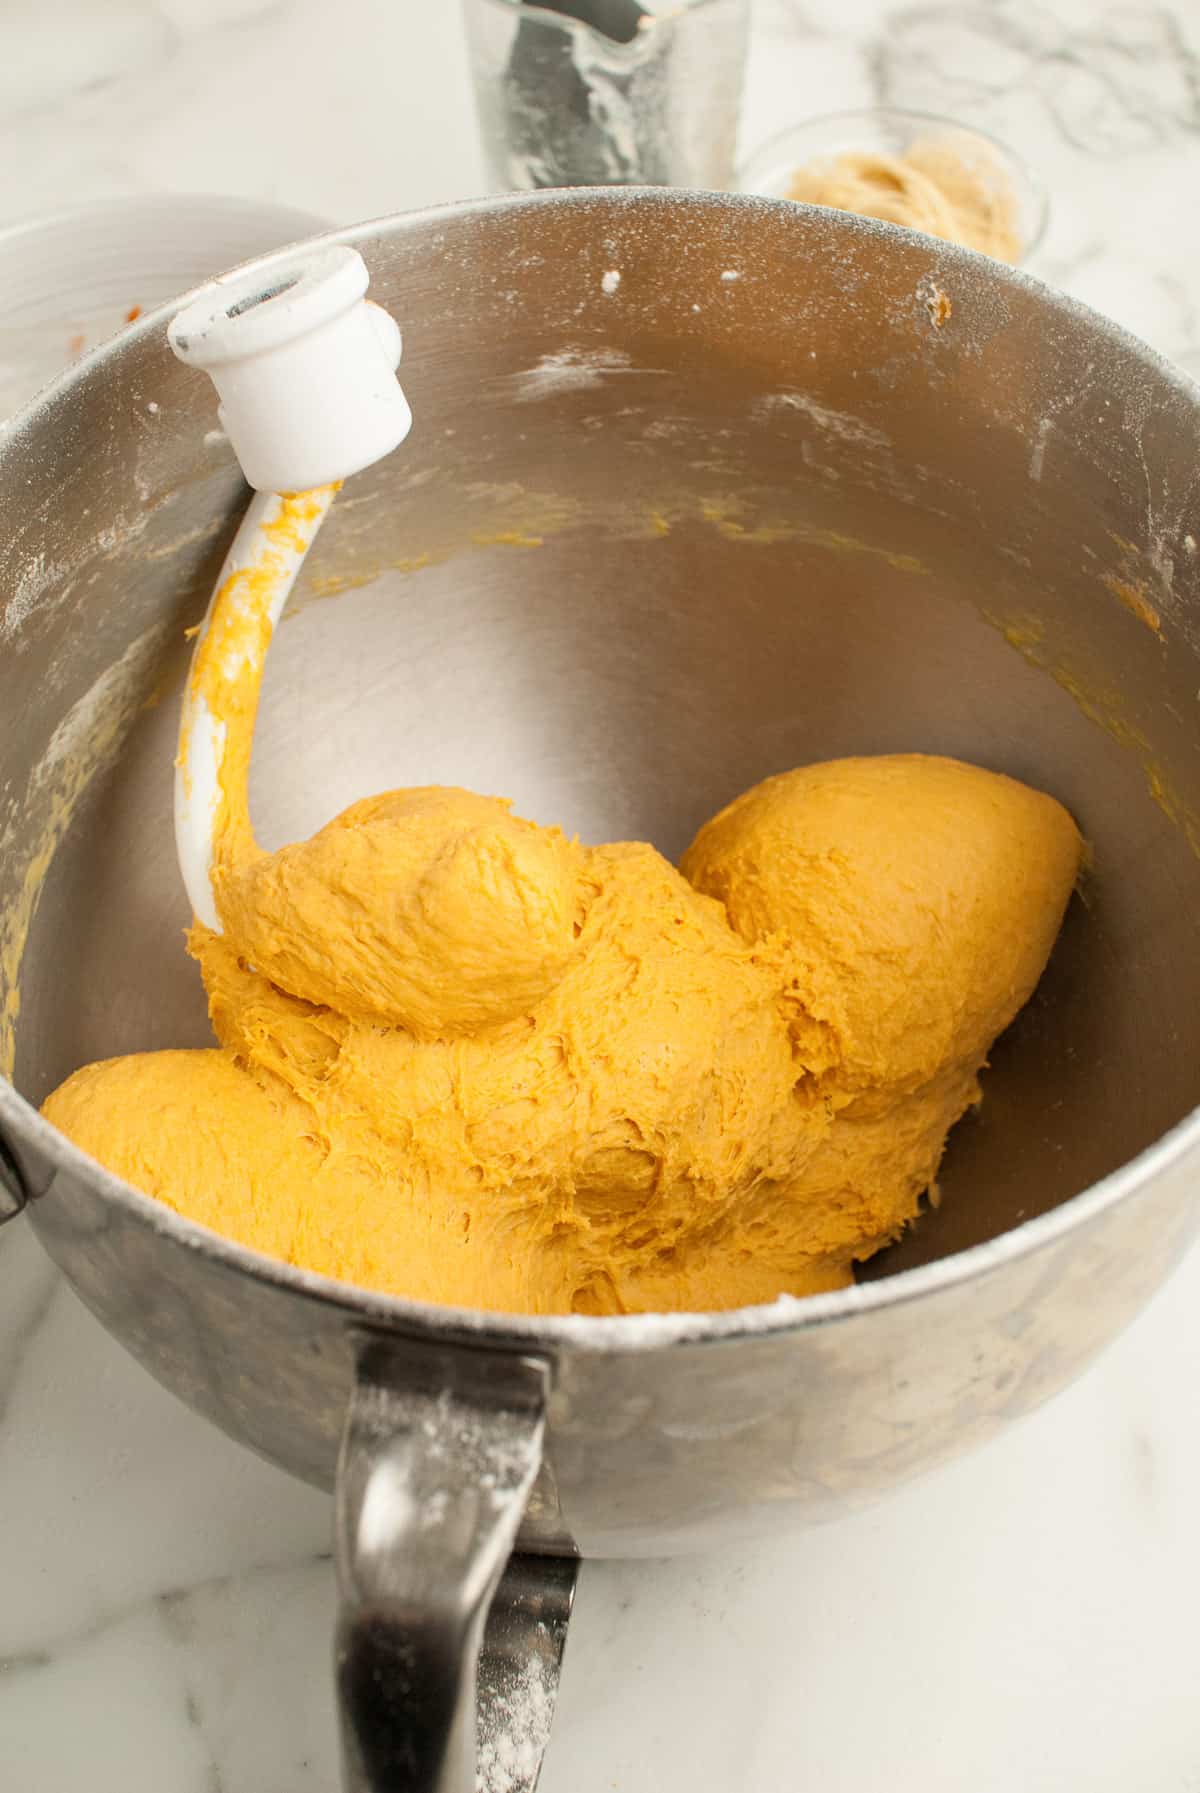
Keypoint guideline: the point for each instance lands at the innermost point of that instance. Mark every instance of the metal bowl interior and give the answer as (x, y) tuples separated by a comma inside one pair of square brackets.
[(699, 489)]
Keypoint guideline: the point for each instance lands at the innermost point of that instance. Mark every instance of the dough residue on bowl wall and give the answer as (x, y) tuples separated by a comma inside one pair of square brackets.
[(85, 743)]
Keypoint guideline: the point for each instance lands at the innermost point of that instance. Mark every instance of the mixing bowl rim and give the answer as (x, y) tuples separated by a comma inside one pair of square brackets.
[(618, 1334)]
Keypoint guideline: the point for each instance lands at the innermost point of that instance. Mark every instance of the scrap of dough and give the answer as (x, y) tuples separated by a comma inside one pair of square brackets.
[(949, 187), (731, 1084)]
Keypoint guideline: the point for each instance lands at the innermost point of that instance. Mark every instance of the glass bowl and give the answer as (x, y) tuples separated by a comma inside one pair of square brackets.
[(892, 131)]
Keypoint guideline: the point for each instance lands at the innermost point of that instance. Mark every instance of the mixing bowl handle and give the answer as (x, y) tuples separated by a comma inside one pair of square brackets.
[(440, 1451)]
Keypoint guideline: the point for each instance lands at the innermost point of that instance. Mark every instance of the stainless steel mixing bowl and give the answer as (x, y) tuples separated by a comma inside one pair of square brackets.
[(794, 485)]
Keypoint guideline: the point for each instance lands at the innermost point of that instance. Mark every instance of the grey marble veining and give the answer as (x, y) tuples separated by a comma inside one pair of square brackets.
[(1103, 102)]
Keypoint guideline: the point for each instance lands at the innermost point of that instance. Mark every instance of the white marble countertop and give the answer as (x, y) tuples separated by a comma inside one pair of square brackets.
[(1024, 1621)]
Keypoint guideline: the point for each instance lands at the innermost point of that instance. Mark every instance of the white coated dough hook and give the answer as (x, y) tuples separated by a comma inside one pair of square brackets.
[(305, 370)]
